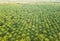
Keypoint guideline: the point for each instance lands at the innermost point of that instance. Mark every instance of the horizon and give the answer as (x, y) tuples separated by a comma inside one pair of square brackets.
[(18, 1)]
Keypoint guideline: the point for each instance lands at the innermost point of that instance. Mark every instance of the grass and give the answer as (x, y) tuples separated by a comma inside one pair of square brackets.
[(27, 22)]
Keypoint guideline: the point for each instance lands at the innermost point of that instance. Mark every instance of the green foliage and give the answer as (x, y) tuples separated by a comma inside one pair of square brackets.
[(29, 22)]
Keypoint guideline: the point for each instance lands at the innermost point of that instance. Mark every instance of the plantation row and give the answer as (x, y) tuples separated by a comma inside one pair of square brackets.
[(29, 22)]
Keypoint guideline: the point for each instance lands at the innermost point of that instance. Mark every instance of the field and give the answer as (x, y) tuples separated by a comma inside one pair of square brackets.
[(30, 22)]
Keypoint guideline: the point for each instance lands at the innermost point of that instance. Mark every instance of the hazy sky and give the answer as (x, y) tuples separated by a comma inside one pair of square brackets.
[(25, 0)]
